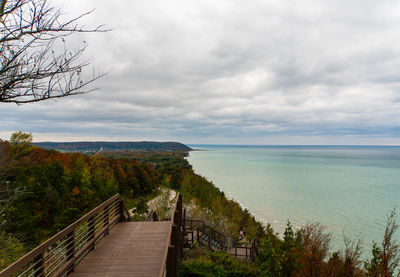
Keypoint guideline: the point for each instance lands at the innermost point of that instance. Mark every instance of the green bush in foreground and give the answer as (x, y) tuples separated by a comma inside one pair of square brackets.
[(217, 264), (10, 249)]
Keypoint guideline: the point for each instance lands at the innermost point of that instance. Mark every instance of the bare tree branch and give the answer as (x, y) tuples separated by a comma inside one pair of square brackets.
[(35, 63), (390, 257)]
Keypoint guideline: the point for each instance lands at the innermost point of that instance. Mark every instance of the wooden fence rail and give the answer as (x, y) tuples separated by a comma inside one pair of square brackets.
[(58, 255), (174, 249)]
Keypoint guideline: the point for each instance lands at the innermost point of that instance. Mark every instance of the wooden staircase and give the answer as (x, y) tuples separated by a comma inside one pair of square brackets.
[(198, 231)]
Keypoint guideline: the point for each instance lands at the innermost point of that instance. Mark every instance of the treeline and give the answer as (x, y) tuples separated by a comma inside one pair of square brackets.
[(114, 146), (163, 161)]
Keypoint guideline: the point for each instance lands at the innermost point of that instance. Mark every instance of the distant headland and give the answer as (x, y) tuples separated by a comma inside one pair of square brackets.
[(97, 146)]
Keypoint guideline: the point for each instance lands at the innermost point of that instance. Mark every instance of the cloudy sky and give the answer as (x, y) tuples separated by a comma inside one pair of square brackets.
[(241, 72)]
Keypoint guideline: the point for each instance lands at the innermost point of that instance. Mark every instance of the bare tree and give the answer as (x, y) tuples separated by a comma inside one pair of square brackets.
[(35, 63), (315, 249), (390, 258), (385, 259), (351, 257)]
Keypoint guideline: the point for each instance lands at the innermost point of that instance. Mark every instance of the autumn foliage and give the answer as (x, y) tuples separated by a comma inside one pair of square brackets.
[(59, 187)]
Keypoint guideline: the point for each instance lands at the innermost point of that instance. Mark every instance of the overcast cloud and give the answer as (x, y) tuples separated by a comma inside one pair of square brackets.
[(246, 72)]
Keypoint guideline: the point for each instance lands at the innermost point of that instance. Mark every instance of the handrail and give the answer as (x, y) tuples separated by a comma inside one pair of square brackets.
[(196, 224), (125, 212), (174, 244), (208, 230), (60, 253), (165, 255), (204, 226)]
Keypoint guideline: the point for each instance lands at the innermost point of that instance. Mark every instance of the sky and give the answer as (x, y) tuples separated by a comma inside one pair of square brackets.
[(230, 72)]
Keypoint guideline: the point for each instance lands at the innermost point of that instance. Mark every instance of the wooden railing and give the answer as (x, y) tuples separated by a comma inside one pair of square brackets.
[(245, 252), (61, 253), (174, 249), (198, 227)]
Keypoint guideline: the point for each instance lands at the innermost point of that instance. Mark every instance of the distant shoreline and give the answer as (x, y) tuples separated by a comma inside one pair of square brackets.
[(292, 145)]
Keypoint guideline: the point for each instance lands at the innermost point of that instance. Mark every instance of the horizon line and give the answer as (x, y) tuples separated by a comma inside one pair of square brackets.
[(333, 145), (226, 144)]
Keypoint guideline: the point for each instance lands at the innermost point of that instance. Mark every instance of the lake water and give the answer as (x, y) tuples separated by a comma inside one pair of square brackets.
[(349, 189)]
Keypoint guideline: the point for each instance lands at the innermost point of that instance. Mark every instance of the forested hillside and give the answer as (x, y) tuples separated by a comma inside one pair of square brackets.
[(43, 191), (96, 146)]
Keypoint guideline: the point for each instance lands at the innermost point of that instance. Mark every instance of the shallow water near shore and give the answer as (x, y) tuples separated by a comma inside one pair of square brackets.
[(349, 189)]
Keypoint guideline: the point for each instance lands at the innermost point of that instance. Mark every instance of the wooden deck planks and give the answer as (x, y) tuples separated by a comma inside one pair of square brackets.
[(131, 249)]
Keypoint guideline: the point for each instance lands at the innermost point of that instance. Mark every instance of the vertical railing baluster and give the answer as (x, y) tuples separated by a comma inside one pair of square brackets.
[(171, 262), (175, 237), (71, 248), (106, 219), (121, 211), (91, 228), (91, 234), (184, 220), (39, 265)]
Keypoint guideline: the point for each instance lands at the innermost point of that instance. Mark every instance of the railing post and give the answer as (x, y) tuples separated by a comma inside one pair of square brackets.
[(184, 220), (71, 249), (172, 264), (175, 215), (172, 270), (174, 235), (121, 211), (180, 233), (183, 229), (39, 265), (106, 219), (179, 209), (91, 228)]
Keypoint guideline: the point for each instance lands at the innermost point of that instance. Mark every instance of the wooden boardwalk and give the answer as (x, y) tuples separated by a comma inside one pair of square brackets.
[(124, 248), (131, 249), (104, 242)]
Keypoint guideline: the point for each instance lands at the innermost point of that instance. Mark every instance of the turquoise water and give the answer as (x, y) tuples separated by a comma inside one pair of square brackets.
[(348, 189)]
